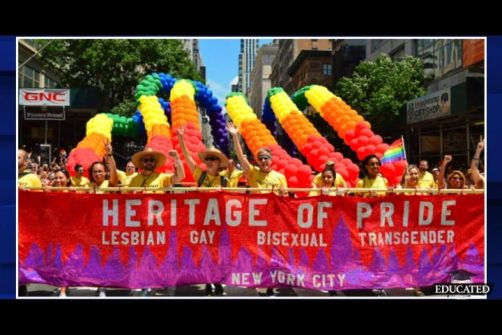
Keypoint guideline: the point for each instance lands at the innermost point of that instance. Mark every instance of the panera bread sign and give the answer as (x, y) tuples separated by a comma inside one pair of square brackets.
[(429, 107)]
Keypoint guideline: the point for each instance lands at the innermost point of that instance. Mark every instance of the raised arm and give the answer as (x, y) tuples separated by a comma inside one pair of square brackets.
[(442, 169), (179, 171), (190, 162), (246, 166), (475, 175), (110, 163)]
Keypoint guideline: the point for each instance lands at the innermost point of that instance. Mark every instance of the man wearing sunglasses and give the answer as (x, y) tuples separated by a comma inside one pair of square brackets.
[(150, 160), (261, 176), (215, 161)]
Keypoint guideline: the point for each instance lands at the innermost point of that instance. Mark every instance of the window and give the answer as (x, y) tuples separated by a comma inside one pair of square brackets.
[(327, 69), (49, 83), (28, 77)]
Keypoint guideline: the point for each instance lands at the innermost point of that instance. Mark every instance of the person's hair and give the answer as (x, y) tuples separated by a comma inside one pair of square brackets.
[(264, 150), (329, 167), (412, 166), (65, 172), (365, 162), (92, 166), (456, 172)]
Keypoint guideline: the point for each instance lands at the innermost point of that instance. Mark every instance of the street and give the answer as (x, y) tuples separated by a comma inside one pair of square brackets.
[(40, 290)]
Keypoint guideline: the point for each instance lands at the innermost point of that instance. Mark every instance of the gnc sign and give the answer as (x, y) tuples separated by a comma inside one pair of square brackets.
[(44, 97)]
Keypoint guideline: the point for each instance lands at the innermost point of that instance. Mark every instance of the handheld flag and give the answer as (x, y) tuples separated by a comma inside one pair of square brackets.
[(394, 153)]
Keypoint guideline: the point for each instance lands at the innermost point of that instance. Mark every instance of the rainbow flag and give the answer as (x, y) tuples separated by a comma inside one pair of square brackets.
[(394, 153)]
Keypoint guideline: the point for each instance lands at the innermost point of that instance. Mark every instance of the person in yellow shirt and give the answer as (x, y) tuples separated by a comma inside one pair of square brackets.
[(338, 181), (104, 174), (25, 178), (328, 185), (148, 161), (126, 177), (232, 173), (215, 160), (261, 176), (372, 179), (79, 179), (425, 178)]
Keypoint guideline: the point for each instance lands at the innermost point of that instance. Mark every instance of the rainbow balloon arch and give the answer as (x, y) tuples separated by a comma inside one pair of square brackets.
[(185, 96)]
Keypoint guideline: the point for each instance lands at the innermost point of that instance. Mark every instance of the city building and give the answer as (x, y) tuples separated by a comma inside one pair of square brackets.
[(449, 119), (260, 77), (288, 51), (311, 67), (45, 126), (247, 56), (192, 47), (346, 55)]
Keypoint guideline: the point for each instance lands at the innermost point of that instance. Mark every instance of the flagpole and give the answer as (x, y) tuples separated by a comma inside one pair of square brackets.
[(404, 149)]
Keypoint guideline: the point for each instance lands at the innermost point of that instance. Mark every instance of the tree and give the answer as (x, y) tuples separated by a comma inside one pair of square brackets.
[(379, 90), (115, 66)]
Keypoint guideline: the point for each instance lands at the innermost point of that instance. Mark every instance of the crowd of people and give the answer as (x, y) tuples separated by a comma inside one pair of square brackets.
[(222, 171)]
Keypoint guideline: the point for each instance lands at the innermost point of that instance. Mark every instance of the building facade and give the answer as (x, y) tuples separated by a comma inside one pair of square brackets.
[(311, 67), (247, 56), (449, 119), (260, 77), (288, 51), (39, 134), (192, 47)]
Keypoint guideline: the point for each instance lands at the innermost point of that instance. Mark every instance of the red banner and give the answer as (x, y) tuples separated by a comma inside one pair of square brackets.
[(157, 240)]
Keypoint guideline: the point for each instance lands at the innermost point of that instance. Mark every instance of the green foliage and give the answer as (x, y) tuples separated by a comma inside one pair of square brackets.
[(115, 67), (380, 89), (125, 108)]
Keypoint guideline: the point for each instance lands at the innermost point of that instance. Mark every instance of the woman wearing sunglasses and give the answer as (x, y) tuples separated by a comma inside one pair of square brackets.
[(215, 161), (455, 180)]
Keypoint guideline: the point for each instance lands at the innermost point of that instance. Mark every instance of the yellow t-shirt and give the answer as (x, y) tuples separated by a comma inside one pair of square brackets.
[(80, 182), (326, 191), (124, 178), (339, 181), (378, 182), (155, 181), (209, 181), (233, 178), (272, 179), (426, 181), (99, 188), (28, 179)]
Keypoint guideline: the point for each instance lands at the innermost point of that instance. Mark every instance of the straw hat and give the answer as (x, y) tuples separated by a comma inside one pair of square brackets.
[(216, 153), (160, 158)]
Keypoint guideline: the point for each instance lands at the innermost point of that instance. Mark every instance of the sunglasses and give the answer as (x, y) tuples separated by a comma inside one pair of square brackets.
[(456, 178), (147, 160), (211, 159), (264, 158)]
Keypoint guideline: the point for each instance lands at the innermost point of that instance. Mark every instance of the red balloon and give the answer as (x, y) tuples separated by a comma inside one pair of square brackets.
[(304, 173), (366, 132), (290, 170), (292, 181), (349, 135), (362, 141), (382, 147), (359, 127), (370, 149), (361, 153)]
